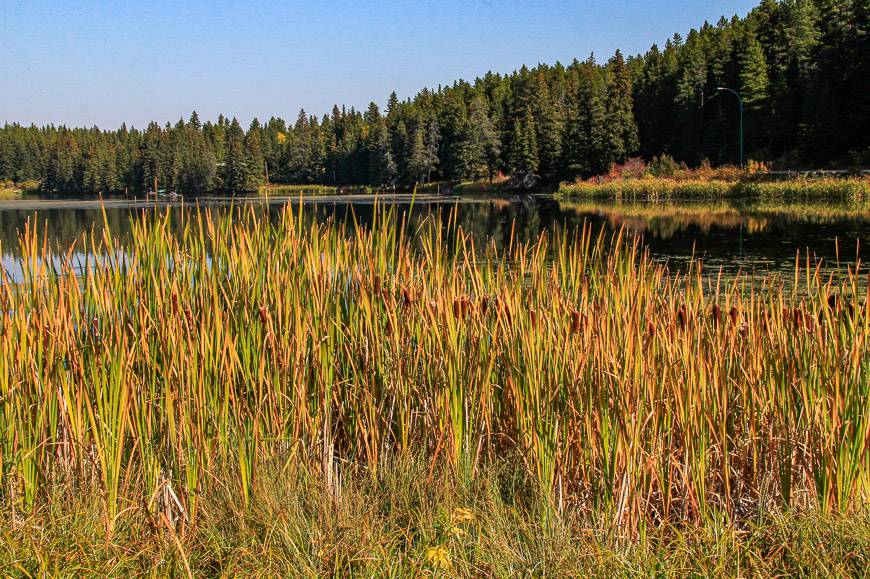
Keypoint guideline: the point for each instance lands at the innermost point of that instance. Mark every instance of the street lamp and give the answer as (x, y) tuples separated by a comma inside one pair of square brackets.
[(740, 108)]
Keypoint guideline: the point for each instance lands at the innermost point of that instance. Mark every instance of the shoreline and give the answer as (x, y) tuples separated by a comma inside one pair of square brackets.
[(205, 201)]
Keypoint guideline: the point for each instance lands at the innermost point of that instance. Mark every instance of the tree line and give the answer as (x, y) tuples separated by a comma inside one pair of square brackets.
[(802, 67)]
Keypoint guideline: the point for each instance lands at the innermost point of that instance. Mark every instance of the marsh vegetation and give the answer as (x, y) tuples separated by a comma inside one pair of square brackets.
[(508, 400), (850, 189)]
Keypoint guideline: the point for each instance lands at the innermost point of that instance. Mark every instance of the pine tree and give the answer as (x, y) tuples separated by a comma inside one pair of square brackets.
[(254, 157), (383, 171), (524, 152), (453, 122), (585, 135), (392, 108), (400, 147), (418, 166), (237, 170), (93, 173), (433, 144), (481, 144), (198, 162), (693, 78), (620, 127), (549, 124), (152, 157), (317, 132), (754, 82)]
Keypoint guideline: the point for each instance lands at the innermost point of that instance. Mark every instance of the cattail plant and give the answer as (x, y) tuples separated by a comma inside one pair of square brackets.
[(239, 340)]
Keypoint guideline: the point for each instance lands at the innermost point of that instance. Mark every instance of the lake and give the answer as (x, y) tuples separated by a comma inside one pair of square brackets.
[(747, 236)]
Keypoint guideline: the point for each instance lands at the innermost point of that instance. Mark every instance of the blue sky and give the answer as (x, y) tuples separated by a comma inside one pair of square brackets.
[(108, 62)]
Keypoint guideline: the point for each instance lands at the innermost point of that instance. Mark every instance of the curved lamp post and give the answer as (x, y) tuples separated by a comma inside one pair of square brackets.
[(740, 108)]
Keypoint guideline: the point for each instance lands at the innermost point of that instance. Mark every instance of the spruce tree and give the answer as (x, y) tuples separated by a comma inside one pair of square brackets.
[(194, 122), (585, 135), (453, 122), (418, 160), (383, 171), (524, 151), (400, 147), (433, 144), (237, 169), (152, 157), (620, 127), (754, 82), (481, 145), (93, 172), (549, 125), (255, 173)]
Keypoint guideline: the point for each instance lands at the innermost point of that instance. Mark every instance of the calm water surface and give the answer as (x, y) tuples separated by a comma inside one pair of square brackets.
[(750, 237)]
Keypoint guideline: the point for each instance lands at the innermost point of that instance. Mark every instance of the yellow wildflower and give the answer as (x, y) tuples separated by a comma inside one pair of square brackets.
[(461, 515), (438, 557)]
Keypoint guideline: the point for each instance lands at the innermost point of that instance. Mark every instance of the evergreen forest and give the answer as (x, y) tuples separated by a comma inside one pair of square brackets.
[(801, 66)]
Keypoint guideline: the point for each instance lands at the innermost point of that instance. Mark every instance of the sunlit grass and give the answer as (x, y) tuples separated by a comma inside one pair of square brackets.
[(854, 188), (410, 521)]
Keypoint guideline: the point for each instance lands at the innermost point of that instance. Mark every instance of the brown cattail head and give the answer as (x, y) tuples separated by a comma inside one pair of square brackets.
[(682, 317), (575, 322), (377, 284), (744, 330), (263, 316), (174, 303), (484, 305), (650, 329), (716, 314), (533, 317), (764, 320), (798, 318), (407, 298), (466, 304), (457, 308), (733, 314)]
